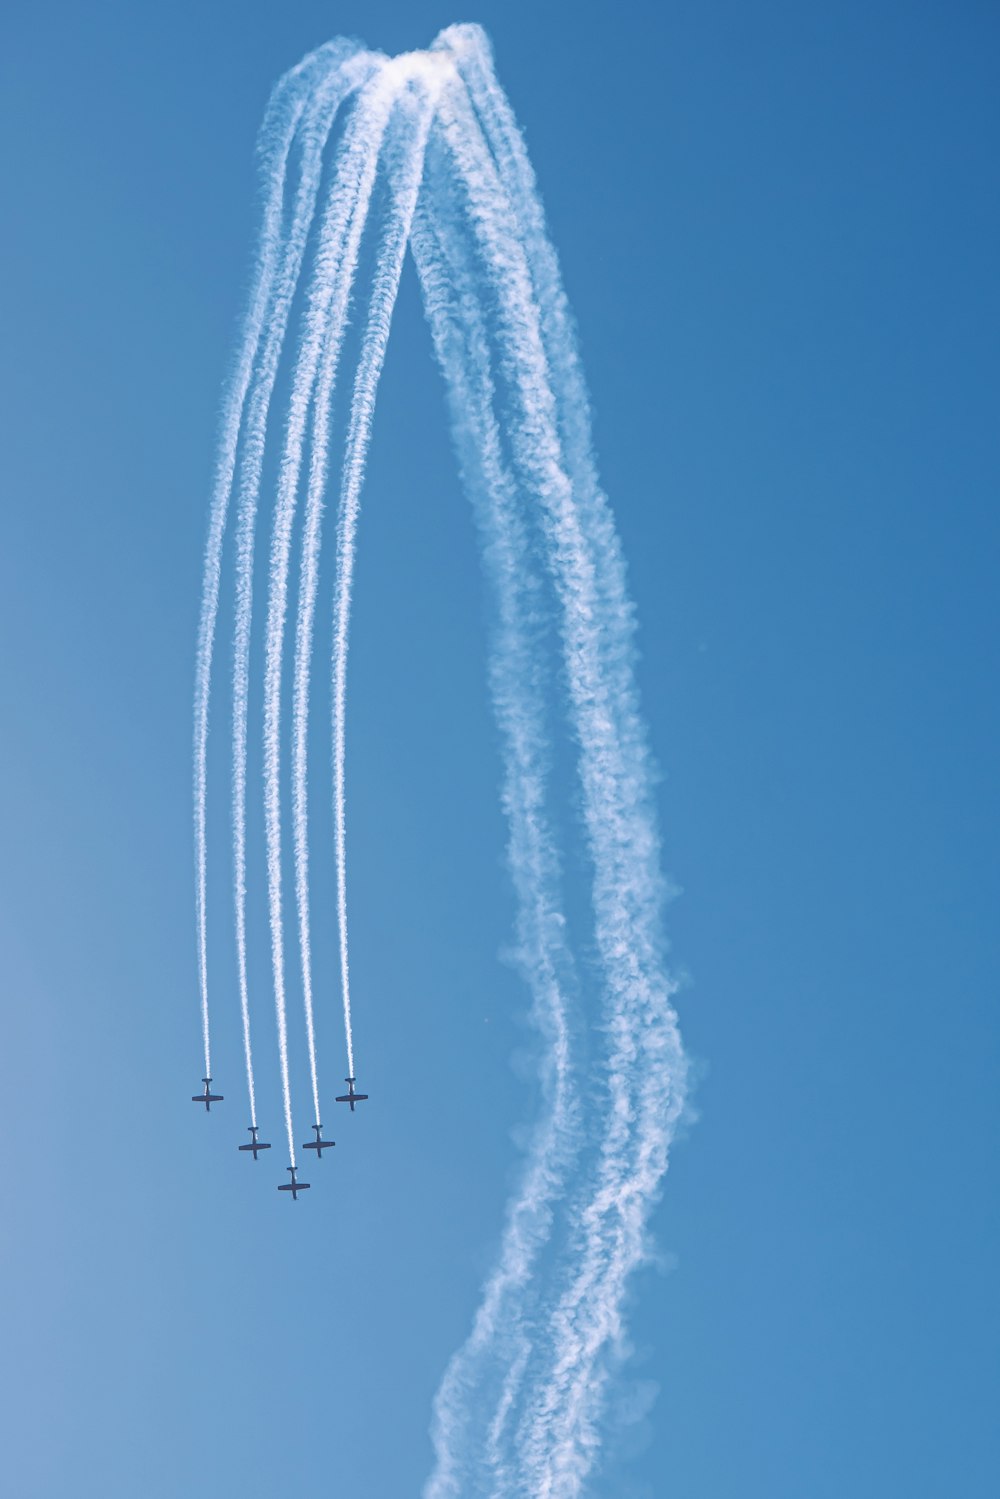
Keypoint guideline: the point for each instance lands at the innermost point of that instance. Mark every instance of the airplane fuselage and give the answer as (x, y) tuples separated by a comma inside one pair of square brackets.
[(319, 1144), (254, 1144), (206, 1098), (295, 1187), (350, 1097)]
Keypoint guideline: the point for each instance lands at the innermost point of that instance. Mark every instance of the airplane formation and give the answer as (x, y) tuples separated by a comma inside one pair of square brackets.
[(351, 1097)]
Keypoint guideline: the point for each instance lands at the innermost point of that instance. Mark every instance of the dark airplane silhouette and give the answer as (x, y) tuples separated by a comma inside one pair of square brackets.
[(206, 1098), (319, 1144), (255, 1144), (350, 1096), (294, 1186)]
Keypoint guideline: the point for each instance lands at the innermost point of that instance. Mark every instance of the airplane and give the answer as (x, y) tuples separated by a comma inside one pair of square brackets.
[(350, 1096), (295, 1187), (206, 1098), (319, 1144), (255, 1144)]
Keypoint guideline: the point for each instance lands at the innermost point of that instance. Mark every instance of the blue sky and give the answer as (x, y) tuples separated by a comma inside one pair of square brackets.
[(779, 234)]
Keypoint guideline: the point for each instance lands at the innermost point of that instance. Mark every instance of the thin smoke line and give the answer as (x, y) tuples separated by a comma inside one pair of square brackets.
[(289, 99), (314, 129), (314, 379), (405, 178), (333, 277), (274, 144), (347, 74)]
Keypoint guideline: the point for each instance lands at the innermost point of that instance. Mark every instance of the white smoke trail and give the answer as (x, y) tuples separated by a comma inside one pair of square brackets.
[(500, 1334), (645, 1074), (288, 100), (530, 1380), (325, 98), (627, 1187), (313, 382), (406, 173), (322, 104)]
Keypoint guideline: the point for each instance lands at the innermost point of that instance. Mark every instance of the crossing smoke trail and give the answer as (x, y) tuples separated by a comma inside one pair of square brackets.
[(520, 1407)]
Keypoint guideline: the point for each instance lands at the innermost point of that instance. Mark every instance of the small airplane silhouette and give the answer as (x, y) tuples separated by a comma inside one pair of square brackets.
[(255, 1144), (319, 1144), (206, 1098), (350, 1096), (294, 1186)]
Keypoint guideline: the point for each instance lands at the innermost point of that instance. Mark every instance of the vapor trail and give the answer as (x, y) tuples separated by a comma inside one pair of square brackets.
[(406, 173), (588, 1318), (645, 1069), (313, 383), (335, 72), (285, 107), (347, 69), (484, 1374)]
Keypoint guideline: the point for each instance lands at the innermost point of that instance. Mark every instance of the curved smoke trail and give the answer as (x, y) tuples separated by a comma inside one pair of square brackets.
[(521, 1403), (393, 84), (347, 73), (313, 385), (568, 1398), (331, 286), (496, 1351), (645, 1071), (406, 175), (313, 126), (281, 119)]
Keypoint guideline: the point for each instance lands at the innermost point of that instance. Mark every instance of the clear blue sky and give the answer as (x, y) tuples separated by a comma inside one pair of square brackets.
[(779, 230)]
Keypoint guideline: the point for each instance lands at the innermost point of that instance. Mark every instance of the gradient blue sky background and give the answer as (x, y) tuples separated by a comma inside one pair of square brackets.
[(779, 230)]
